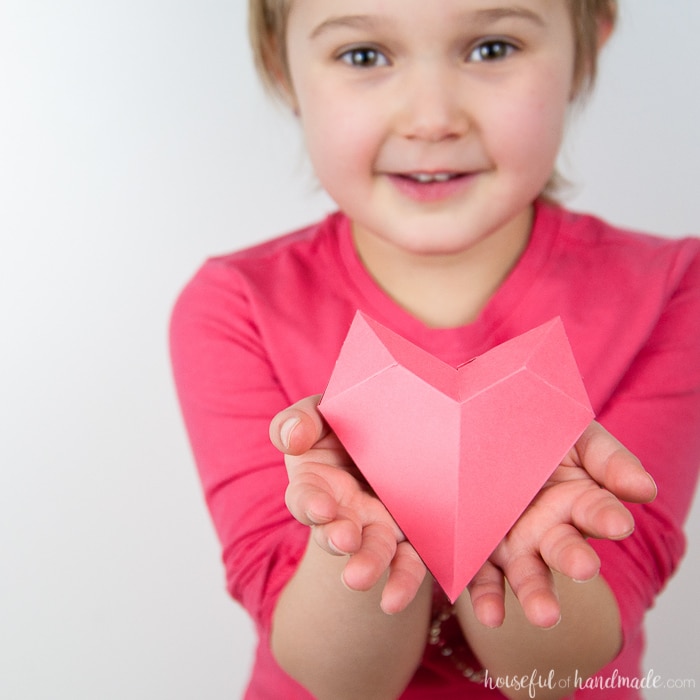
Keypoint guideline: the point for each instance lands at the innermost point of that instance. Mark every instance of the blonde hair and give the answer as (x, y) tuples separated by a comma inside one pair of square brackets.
[(267, 25)]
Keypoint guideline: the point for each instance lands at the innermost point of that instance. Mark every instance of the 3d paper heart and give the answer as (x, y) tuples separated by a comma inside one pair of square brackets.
[(456, 454)]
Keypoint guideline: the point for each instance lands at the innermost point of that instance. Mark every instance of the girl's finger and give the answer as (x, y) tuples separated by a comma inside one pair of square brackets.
[(613, 466), (372, 559), (406, 574), (533, 585), (598, 513), (487, 593), (341, 537), (310, 499), (298, 428), (564, 549)]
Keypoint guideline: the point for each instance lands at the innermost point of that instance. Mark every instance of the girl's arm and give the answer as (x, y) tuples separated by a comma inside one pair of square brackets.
[(586, 639), (338, 643), (655, 412), (555, 628), (335, 642), (331, 631)]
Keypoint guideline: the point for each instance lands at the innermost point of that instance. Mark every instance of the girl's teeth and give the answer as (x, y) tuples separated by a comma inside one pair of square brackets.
[(425, 178)]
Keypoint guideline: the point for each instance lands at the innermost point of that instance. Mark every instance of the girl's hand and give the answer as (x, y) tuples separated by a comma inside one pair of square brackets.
[(327, 492), (579, 500)]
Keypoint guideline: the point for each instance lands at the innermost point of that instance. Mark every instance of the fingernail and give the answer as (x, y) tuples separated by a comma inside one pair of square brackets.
[(335, 549), (623, 536), (384, 610), (286, 430), (653, 483), (586, 580), (556, 624)]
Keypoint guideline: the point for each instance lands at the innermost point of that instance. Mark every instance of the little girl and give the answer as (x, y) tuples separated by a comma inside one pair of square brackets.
[(435, 127)]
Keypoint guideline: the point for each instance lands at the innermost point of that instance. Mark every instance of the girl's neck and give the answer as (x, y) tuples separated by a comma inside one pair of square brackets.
[(446, 291)]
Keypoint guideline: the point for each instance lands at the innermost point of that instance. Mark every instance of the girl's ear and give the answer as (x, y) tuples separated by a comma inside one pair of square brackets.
[(606, 21), (281, 80), (286, 92), (606, 25)]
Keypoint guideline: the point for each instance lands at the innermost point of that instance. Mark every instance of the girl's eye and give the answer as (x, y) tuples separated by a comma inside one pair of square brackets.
[(364, 57), (495, 50)]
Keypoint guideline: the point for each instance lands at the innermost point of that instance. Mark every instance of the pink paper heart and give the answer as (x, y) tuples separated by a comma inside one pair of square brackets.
[(456, 454)]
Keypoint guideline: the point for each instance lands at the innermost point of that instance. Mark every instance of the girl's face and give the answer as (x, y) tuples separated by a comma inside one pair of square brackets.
[(433, 125)]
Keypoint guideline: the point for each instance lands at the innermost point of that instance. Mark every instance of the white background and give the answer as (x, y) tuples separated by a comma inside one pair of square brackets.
[(134, 141)]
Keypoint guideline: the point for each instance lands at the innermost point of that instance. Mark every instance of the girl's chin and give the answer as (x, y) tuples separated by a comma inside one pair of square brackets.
[(427, 241)]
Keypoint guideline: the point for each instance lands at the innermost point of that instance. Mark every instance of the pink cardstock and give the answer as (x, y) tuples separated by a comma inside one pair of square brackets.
[(456, 454)]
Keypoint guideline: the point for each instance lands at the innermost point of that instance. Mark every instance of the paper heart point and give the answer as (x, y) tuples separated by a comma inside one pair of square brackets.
[(456, 454)]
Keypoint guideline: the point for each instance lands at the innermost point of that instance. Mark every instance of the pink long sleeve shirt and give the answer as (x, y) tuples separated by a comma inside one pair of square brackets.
[(259, 329)]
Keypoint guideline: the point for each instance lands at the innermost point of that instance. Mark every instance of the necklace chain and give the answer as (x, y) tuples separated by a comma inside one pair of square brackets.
[(456, 653)]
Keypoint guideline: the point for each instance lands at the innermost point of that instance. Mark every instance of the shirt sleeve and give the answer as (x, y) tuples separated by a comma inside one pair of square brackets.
[(228, 394), (655, 412)]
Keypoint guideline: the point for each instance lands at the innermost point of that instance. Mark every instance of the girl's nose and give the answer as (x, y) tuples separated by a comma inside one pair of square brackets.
[(430, 106)]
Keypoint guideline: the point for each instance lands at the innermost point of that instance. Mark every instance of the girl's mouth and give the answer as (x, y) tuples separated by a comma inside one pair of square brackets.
[(425, 178), (431, 187)]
